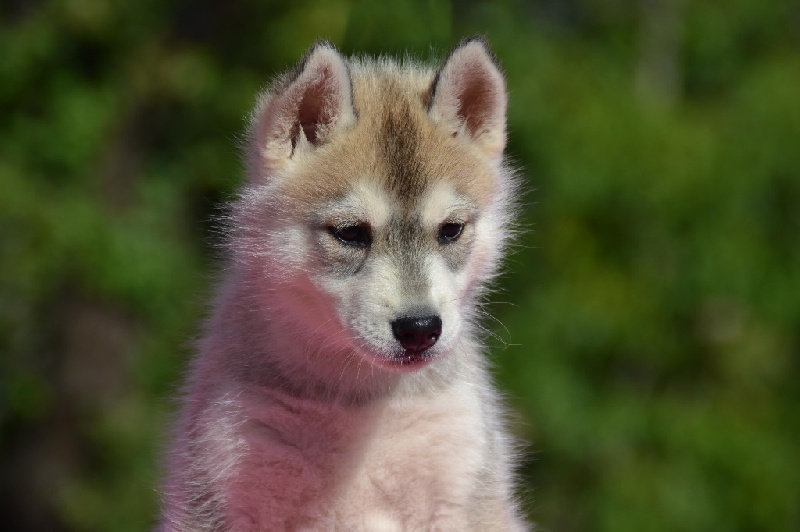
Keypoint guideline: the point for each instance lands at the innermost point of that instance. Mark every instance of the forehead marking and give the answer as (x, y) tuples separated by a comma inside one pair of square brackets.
[(401, 140)]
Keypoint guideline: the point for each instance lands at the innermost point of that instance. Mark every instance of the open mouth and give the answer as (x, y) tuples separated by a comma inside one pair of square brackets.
[(409, 360)]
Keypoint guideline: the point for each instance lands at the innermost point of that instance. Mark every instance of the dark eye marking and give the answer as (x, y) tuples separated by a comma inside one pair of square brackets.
[(357, 235), (449, 232)]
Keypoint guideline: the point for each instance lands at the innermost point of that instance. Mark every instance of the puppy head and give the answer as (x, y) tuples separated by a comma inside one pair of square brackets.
[(376, 206)]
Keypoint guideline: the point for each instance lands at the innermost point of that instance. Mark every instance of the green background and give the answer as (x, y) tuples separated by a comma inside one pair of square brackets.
[(649, 320)]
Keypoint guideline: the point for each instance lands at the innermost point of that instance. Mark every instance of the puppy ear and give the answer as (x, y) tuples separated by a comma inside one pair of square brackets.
[(304, 108), (468, 96)]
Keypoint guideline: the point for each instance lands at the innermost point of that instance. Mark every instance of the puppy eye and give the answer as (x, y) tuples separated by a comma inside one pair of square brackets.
[(449, 232), (353, 235)]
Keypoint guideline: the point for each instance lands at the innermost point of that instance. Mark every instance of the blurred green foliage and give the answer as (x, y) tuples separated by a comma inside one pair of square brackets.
[(652, 348)]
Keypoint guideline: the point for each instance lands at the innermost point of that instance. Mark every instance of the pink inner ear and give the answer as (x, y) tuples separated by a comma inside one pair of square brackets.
[(469, 96), (318, 106), (315, 102), (477, 101)]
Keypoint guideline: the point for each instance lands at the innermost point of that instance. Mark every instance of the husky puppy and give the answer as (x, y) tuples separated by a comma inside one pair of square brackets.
[(339, 383)]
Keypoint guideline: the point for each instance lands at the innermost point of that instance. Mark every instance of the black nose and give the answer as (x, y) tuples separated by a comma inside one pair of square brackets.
[(417, 334)]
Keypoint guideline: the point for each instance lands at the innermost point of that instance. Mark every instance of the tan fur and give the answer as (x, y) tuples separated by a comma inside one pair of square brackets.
[(385, 93)]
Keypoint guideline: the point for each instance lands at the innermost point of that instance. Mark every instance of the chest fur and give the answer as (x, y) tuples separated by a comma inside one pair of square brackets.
[(394, 465)]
